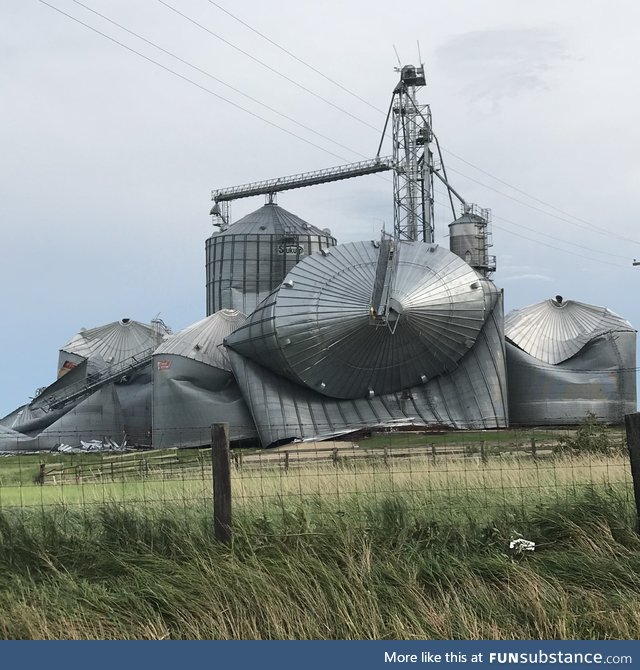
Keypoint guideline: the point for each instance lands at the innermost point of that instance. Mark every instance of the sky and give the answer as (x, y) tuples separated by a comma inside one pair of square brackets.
[(109, 148)]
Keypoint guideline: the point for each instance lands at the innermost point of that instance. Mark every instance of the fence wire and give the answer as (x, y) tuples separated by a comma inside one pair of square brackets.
[(364, 480)]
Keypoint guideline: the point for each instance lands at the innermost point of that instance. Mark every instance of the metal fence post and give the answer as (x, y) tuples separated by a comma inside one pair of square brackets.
[(632, 425), (220, 459)]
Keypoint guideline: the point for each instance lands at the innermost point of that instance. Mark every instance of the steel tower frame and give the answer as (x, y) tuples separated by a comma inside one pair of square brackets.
[(413, 159)]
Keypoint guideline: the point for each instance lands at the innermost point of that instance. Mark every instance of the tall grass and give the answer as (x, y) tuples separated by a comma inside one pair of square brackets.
[(112, 571)]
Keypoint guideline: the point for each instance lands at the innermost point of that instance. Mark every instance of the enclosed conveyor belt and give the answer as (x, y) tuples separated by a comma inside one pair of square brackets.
[(304, 179)]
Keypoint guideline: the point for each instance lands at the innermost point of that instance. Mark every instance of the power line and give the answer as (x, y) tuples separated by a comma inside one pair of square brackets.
[(304, 139), (289, 53), (545, 244), (559, 239), (268, 67), (451, 153), (591, 226), (220, 81), (551, 246), (528, 195), (190, 81), (603, 232)]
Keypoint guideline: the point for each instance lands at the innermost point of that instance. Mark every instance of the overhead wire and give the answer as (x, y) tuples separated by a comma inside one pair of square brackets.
[(551, 246), (538, 209), (592, 226), (558, 239), (533, 197), (220, 81), (546, 244), (191, 81), (268, 67), (303, 62), (312, 130)]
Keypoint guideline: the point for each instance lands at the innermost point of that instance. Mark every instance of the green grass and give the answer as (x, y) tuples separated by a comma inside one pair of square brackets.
[(458, 438), (370, 548), (112, 572)]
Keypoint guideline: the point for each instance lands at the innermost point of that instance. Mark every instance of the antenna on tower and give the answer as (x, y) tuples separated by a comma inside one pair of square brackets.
[(397, 57)]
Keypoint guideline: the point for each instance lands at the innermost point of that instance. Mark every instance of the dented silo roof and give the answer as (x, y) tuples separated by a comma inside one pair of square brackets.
[(555, 330), (203, 341), (115, 342)]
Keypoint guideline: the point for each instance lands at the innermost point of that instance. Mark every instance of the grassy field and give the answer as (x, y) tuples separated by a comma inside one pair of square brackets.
[(363, 545), (110, 572)]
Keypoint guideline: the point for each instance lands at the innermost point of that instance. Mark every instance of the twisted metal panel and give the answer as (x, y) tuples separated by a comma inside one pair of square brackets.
[(555, 330), (474, 395), (317, 327), (202, 341)]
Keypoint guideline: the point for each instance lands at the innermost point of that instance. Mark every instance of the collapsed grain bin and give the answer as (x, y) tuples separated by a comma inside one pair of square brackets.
[(102, 388), (566, 359), (193, 386), (370, 334)]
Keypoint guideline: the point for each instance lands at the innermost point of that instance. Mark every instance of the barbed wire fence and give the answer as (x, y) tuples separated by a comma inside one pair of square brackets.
[(369, 478)]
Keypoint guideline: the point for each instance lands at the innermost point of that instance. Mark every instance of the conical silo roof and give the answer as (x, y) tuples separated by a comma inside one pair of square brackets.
[(316, 328), (203, 341), (115, 342), (556, 330), (271, 219)]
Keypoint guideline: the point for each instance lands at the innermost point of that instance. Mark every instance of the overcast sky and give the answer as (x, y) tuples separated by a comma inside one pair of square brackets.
[(108, 160)]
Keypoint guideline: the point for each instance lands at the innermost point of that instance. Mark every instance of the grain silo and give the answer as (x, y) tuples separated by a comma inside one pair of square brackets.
[(470, 238), (369, 334), (566, 359), (103, 388), (193, 386), (248, 259)]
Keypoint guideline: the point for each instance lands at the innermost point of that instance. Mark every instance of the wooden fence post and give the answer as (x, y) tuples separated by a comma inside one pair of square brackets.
[(220, 458), (433, 452), (533, 448), (483, 453), (286, 461), (632, 425)]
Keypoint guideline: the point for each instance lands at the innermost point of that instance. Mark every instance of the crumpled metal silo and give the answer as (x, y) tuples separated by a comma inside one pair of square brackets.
[(111, 344), (247, 260), (566, 359), (316, 358), (108, 364), (193, 386)]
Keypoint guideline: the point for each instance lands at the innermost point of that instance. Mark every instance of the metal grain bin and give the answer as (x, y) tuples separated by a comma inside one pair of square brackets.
[(193, 386), (567, 358), (319, 329), (470, 239), (251, 257)]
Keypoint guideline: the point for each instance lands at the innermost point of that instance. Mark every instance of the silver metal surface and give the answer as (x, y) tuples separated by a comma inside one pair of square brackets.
[(249, 259), (601, 379), (470, 238), (110, 344), (193, 386), (567, 358), (94, 418), (474, 395), (317, 327), (555, 330), (189, 396), (203, 340)]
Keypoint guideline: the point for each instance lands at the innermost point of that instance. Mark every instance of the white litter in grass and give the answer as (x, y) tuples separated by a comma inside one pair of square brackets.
[(520, 545), (92, 446)]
